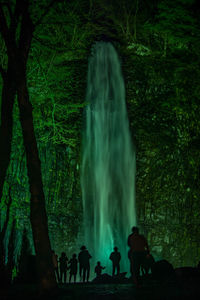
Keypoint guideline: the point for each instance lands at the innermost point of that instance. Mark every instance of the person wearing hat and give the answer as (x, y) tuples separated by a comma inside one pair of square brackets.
[(115, 257), (84, 263)]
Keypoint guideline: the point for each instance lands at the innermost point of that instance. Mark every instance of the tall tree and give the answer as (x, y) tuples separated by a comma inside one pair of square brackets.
[(8, 92), (18, 42)]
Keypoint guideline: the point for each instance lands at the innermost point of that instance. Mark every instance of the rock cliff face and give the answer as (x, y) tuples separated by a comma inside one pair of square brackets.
[(164, 122)]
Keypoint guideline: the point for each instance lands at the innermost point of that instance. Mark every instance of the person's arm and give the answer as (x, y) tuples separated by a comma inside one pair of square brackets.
[(129, 241)]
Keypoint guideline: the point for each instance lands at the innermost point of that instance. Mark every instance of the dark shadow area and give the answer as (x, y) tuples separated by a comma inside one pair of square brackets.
[(163, 283)]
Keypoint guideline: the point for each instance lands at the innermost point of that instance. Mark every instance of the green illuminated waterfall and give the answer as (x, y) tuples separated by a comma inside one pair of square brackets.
[(108, 163)]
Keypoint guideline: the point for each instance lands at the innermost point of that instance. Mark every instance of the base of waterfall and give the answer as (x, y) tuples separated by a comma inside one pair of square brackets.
[(107, 279), (182, 287)]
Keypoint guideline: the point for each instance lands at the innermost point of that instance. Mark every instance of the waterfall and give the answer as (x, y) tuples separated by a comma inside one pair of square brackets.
[(108, 162)]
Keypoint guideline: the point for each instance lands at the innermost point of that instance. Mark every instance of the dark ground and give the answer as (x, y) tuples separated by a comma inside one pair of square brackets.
[(149, 290)]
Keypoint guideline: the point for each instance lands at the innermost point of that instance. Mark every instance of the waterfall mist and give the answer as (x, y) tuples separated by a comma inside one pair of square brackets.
[(108, 162)]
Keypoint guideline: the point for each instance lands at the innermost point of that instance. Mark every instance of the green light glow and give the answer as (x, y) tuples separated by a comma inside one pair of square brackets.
[(108, 167)]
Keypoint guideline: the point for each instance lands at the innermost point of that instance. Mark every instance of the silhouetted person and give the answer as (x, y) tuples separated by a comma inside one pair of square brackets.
[(55, 264), (63, 266), (98, 269), (73, 267), (138, 252), (115, 257), (84, 263)]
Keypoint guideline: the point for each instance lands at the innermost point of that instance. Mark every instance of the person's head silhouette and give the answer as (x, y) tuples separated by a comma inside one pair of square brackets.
[(135, 229)]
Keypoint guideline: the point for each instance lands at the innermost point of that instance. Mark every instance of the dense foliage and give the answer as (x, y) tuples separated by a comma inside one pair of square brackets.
[(158, 43)]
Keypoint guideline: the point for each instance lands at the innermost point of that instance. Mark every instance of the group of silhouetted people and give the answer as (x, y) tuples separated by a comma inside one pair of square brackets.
[(115, 257), (72, 265), (138, 254)]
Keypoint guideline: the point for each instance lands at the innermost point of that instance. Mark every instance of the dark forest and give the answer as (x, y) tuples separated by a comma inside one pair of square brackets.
[(44, 51)]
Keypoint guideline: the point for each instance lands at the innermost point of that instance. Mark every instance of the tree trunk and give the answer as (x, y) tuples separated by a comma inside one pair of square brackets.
[(18, 46), (8, 96), (4, 280), (38, 215)]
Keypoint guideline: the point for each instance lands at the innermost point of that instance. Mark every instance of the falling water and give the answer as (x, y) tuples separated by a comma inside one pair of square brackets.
[(108, 165)]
